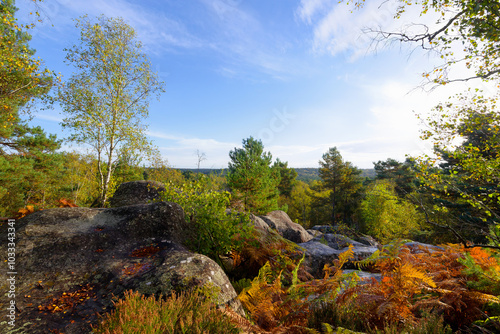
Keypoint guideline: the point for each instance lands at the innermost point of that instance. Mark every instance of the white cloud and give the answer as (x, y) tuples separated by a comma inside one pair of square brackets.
[(340, 28), (309, 8), (49, 117)]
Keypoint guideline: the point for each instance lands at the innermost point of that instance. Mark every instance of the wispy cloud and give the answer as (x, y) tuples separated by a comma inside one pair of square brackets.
[(336, 29), (246, 42), (51, 118), (156, 30)]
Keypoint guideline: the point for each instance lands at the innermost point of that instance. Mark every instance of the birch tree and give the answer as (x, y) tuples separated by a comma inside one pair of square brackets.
[(107, 97)]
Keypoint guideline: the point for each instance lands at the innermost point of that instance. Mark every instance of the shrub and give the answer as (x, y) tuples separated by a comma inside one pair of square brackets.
[(215, 231), (178, 314)]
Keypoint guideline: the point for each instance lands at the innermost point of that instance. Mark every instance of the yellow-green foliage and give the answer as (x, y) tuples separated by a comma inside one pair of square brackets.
[(214, 231), (386, 216), (178, 314)]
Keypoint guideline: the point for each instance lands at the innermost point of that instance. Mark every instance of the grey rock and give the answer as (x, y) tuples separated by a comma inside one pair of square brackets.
[(368, 240), (317, 255), (62, 250), (361, 253), (365, 276), (137, 192), (324, 228), (418, 247), (337, 241), (314, 233), (318, 252)]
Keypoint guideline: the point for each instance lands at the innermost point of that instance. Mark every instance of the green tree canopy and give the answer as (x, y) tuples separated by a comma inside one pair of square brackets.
[(252, 179), (22, 81), (27, 163), (342, 179), (385, 216), (402, 173), (107, 97), (288, 177), (466, 137)]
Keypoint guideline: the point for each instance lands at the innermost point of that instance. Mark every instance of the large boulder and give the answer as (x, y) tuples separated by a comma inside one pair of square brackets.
[(71, 262), (136, 192), (337, 241), (317, 255), (418, 247), (259, 222), (324, 249), (279, 221)]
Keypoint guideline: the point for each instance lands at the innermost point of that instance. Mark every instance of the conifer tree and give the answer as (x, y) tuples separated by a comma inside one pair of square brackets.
[(252, 179), (342, 179), (25, 151)]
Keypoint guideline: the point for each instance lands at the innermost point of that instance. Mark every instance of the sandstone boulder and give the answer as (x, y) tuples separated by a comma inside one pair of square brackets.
[(314, 233), (70, 262), (326, 248), (259, 222), (337, 241), (136, 192), (279, 221), (317, 255)]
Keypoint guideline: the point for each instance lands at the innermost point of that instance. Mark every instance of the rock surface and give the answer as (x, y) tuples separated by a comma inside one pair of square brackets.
[(324, 249), (317, 255), (279, 221), (314, 233), (418, 247), (136, 192), (259, 222), (337, 241), (70, 262)]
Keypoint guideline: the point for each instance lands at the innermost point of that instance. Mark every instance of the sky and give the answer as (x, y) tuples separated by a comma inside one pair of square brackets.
[(298, 74)]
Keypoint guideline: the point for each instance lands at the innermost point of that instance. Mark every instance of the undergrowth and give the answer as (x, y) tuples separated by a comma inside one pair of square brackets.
[(179, 314), (422, 290)]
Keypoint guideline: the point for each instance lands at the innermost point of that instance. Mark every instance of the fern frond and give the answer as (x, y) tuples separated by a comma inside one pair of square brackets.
[(409, 273), (484, 297), (344, 257), (295, 278)]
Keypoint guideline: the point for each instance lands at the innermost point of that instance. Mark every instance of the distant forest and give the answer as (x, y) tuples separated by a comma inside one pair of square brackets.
[(303, 174)]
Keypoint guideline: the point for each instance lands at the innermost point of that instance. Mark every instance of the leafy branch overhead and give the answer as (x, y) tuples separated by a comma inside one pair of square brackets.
[(465, 33)]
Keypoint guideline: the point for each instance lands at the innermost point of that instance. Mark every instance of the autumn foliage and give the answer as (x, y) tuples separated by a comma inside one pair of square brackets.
[(450, 285)]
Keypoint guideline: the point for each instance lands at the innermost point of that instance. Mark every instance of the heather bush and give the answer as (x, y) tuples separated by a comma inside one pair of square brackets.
[(189, 312)]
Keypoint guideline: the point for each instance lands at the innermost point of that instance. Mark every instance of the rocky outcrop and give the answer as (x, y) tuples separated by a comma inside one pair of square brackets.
[(314, 233), (418, 247), (136, 192), (324, 249), (317, 255), (259, 222), (70, 262), (337, 241), (279, 221)]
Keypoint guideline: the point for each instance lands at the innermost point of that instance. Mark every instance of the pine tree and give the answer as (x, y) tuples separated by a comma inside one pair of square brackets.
[(252, 179), (342, 179), (25, 151)]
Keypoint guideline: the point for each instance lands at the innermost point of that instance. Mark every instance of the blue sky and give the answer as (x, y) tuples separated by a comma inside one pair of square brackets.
[(298, 74)]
